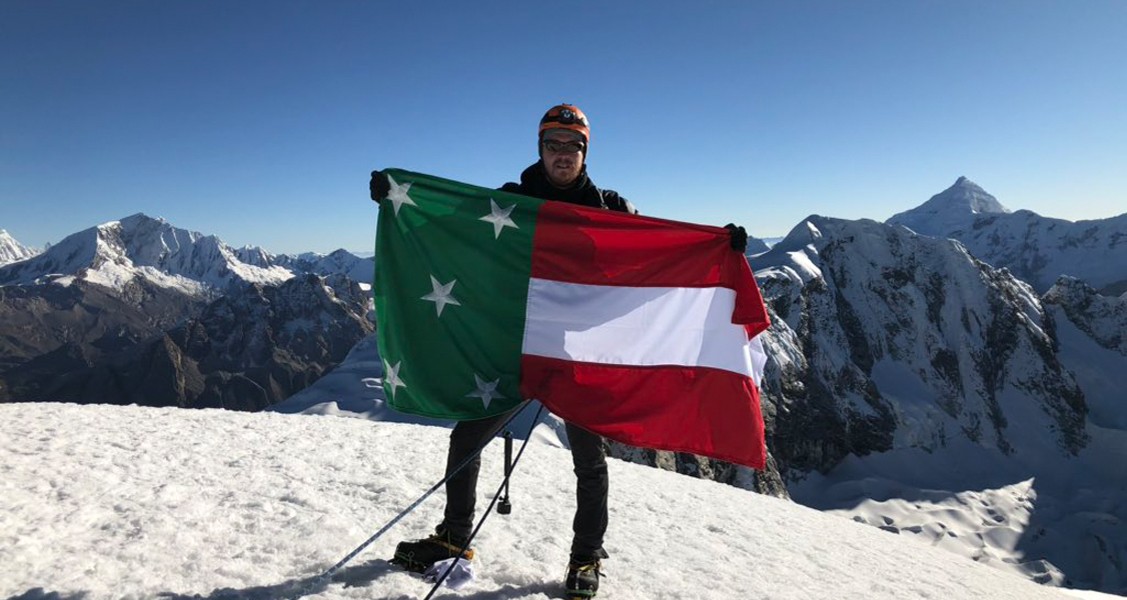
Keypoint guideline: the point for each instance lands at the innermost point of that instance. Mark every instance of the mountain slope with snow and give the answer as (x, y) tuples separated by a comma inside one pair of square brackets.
[(903, 368), (11, 250), (883, 338), (126, 502), (1036, 249), (1090, 330)]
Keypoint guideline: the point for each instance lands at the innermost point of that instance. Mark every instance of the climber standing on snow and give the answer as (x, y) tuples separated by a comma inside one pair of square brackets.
[(560, 174)]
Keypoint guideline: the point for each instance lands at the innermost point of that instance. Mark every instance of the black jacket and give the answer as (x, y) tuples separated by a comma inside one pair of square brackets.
[(534, 182)]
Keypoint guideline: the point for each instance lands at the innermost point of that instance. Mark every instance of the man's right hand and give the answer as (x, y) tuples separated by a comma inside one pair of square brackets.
[(379, 186)]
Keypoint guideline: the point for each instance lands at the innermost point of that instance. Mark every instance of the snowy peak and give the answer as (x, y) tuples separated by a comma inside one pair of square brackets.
[(966, 193), (954, 207), (11, 250), (964, 196), (1035, 248), (115, 253)]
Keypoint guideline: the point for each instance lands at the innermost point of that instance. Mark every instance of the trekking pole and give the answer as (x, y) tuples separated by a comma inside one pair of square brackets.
[(488, 509), (505, 507), (323, 579)]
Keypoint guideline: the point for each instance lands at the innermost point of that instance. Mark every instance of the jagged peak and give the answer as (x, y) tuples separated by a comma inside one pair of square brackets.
[(11, 250)]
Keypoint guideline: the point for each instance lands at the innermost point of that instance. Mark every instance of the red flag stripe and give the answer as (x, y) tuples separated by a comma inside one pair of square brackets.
[(701, 410), (586, 245)]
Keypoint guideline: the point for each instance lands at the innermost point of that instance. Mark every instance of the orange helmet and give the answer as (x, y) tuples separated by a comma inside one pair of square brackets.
[(566, 116)]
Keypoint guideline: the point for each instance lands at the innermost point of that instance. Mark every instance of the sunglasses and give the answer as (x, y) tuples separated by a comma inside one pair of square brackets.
[(563, 147)]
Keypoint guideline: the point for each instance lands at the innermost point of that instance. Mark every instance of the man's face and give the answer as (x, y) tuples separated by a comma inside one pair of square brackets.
[(562, 151)]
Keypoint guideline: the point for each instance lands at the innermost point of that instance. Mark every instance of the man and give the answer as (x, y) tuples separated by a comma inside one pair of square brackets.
[(560, 174)]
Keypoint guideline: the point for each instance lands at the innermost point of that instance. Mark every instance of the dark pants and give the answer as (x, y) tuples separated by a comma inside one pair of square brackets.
[(587, 454)]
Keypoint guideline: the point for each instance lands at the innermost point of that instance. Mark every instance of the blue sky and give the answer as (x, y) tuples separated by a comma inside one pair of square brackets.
[(260, 121)]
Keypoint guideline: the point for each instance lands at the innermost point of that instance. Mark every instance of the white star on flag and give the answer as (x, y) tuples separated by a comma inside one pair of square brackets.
[(398, 195), (440, 294), (391, 377), (499, 217), (486, 390)]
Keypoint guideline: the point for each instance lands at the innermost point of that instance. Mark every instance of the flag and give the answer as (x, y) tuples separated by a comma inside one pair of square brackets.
[(639, 329)]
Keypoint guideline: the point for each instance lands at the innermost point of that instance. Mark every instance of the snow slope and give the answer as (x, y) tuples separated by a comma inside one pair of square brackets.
[(128, 502)]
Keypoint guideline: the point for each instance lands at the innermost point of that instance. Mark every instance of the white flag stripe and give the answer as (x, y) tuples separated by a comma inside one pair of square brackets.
[(645, 326)]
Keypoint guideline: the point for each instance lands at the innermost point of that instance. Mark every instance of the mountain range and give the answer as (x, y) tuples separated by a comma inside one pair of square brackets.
[(956, 348), (140, 247), (139, 309)]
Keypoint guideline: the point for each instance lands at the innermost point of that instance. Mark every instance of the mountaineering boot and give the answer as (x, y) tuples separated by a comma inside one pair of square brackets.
[(583, 579), (419, 555)]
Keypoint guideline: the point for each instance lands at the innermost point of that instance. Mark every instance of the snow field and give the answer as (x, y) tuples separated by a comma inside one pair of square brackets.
[(128, 502)]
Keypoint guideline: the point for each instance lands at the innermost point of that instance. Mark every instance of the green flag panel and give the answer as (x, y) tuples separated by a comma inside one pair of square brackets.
[(451, 285)]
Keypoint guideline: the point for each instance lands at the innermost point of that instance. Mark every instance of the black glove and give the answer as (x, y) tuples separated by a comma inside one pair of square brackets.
[(379, 186), (739, 237)]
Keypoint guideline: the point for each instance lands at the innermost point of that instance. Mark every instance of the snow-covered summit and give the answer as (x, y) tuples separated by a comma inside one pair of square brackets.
[(11, 250), (1035, 248), (115, 253), (951, 207)]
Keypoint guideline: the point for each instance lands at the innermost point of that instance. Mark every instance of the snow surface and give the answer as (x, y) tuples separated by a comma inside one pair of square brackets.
[(129, 502)]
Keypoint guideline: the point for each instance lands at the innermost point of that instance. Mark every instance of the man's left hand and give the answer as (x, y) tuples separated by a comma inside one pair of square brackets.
[(738, 237)]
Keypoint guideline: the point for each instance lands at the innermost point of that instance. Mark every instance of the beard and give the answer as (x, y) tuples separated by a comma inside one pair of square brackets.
[(563, 172)]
